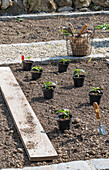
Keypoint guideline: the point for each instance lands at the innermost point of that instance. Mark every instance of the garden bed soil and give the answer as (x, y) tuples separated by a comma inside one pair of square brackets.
[(28, 31), (80, 143)]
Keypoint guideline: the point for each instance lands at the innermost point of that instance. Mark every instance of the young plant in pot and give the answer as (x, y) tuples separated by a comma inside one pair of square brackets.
[(26, 63), (64, 119), (36, 72), (63, 65), (78, 77), (49, 90), (95, 95)]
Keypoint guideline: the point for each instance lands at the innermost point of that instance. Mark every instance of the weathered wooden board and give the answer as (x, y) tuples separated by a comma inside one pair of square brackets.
[(35, 140), (107, 61)]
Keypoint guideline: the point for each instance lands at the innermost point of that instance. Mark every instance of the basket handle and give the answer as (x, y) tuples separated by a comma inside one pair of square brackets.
[(84, 27), (72, 28)]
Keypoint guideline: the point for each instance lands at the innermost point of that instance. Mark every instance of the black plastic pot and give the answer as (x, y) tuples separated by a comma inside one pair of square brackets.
[(95, 97), (62, 67), (78, 81), (48, 93), (35, 75), (64, 123), (27, 64)]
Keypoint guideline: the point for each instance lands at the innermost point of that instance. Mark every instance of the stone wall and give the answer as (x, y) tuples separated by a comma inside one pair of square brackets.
[(32, 6)]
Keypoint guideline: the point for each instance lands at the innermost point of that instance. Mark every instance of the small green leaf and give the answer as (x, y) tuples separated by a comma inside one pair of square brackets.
[(78, 71), (28, 57), (37, 68), (95, 89), (75, 72), (66, 33), (49, 85), (65, 112), (64, 60)]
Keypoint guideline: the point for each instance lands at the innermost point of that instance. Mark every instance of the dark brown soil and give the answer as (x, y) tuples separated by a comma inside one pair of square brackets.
[(45, 30), (80, 143)]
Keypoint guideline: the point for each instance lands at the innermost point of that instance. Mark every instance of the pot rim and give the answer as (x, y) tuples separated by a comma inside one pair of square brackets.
[(66, 63), (95, 93), (59, 119), (28, 61), (43, 88), (33, 71), (81, 76)]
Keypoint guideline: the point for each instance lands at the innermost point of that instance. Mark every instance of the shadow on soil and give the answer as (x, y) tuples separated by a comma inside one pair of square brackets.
[(38, 99), (83, 104), (67, 87)]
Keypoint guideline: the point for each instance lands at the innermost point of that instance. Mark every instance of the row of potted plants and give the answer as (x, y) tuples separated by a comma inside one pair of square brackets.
[(49, 87), (64, 118)]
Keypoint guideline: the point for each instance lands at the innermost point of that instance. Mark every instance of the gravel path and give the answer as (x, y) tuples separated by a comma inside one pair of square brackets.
[(45, 50)]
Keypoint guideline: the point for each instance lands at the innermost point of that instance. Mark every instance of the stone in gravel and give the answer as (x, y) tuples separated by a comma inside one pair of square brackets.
[(87, 154), (76, 120), (59, 151), (14, 151), (20, 150), (66, 8), (97, 8), (7, 129), (92, 152), (44, 163), (60, 159), (107, 141), (77, 125), (64, 156), (83, 9), (95, 62), (11, 131), (102, 87)]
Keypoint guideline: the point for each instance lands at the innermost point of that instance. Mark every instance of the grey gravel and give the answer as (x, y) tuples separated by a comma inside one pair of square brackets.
[(10, 53)]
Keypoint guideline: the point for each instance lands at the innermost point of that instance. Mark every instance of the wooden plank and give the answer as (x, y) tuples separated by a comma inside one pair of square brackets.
[(35, 140), (107, 61)]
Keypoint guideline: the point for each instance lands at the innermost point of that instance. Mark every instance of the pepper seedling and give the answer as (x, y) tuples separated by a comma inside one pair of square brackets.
[(65, 112), (64, 61), (37, 69), (95, 89), (28, 57), (78, 71), (49, 85), (65, 33), (103, 27), (19, 19)]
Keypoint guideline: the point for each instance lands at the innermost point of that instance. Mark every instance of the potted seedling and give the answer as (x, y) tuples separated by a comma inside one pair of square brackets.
[(64, 119), (26, 63), (102, 27), (63, 65), (49, 90), (95, 94), (36, 72), (79, 77)]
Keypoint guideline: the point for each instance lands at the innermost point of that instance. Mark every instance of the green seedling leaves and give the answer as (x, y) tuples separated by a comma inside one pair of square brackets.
[(19, 19), (49, 85), (28, 1), (66, 33), (28, 57), (76, 31), (96, 89), (78, 71), (37, 68), (65, 112), (64, 60), (103, 27)]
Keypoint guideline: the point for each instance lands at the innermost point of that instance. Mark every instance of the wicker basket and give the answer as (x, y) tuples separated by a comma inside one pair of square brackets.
[(80, 45)]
